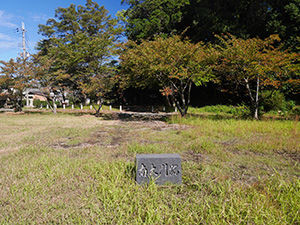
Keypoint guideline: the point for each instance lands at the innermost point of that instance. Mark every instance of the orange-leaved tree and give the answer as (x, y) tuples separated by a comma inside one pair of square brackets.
[(15, 78), (254, 64), (171, 63)]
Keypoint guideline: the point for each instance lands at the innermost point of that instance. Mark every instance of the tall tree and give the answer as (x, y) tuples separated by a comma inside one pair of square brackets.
[(80, 44), (254, 64), (201, 19), (284, 20), (172, 64), (242, 18), (147, 18)]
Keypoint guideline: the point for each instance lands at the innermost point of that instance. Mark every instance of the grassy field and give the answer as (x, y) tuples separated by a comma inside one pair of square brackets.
[(80, 170)]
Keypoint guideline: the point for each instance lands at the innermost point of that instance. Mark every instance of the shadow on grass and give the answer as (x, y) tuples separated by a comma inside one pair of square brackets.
[(134, 116), (37, 112), (138, 116)]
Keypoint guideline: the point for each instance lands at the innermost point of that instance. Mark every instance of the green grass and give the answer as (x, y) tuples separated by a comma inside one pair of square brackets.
[(243, 111), (240, 110), (80, 170)]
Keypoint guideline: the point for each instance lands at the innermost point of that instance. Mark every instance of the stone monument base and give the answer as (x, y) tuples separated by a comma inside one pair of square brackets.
[(162, 168)]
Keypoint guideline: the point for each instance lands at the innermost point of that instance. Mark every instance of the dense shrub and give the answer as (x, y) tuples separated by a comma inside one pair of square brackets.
[(296, 110), (241, 111), (288, 105), (38, 103), (272, 100)]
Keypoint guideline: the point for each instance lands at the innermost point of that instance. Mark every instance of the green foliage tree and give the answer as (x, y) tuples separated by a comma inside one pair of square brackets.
[(16, 77), (242, 18), (254, 64), (172, 64), (201, 19), (147, 18), (80, 45), (284, 19)]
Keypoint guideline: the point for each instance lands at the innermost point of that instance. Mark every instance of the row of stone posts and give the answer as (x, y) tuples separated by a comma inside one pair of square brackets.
[(110, 107)]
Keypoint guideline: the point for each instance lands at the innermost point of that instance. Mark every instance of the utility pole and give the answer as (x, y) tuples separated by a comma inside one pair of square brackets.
[(24, 55), (23, 41)]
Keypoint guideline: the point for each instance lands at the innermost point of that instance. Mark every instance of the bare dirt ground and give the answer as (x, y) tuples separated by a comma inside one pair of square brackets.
[(111, 130), (114, 133)]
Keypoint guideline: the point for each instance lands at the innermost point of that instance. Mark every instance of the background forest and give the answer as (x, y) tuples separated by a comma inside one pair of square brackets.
[(172, 52)]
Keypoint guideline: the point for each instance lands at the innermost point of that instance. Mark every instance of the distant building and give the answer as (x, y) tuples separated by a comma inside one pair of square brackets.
[(34, 94)]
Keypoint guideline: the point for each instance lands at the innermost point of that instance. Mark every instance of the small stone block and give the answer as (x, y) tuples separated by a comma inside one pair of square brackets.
[(162, 168)]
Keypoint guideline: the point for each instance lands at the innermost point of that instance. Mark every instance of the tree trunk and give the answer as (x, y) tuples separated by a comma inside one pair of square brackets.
[(168, 101), (184, 98), (100, 104), (98, 109), (256, 99), (256, 113), (54, 107), (254, 102)]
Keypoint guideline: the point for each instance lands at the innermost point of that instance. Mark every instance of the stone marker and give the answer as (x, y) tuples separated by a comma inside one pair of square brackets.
[(162, 168)]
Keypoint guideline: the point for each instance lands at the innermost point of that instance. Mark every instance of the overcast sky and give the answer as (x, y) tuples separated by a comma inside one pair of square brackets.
[(33, 13)]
